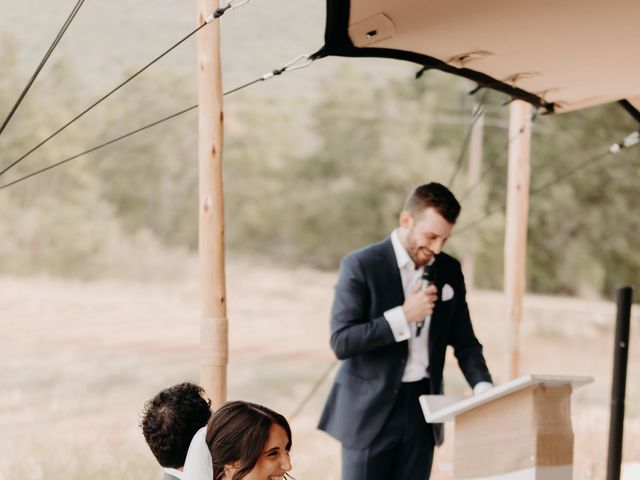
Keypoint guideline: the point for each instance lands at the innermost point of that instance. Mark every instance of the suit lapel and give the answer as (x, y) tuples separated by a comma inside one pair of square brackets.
[(389, 265), (436, 323), (391, 283)]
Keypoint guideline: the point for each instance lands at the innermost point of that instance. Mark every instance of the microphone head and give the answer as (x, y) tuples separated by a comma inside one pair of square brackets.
[(429, 273)]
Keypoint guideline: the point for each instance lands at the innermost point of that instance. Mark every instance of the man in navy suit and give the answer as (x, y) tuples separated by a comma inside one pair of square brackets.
[(373, 407)]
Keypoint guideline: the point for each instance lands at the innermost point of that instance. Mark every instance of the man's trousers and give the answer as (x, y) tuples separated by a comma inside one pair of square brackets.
[(403, 450)]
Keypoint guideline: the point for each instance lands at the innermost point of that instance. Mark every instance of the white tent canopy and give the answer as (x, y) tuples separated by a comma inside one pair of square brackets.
[(559, 56)]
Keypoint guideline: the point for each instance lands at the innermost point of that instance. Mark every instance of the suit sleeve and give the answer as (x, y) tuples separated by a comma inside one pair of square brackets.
[(466, 346), (353, 331)]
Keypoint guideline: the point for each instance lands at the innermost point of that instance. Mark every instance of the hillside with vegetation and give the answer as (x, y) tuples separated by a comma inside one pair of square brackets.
[(316, 161)]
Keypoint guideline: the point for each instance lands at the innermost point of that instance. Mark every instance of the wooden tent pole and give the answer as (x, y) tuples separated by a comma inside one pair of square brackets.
[(517, 216), (213, 322)]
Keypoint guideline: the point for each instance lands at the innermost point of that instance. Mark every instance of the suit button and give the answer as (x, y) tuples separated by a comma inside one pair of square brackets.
[(403, 361), (395, 391)]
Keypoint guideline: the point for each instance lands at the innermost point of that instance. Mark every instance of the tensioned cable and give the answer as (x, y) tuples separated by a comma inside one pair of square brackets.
[(52, 47), (570, 172), (314, 389), (475, 116), (492, 165), (476, 222), (98, 147), (301, 61), (536, 190), (215, 15), (297, 63)]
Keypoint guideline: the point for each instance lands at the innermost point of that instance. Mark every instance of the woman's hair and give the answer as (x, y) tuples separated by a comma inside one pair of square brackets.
[(237, 433)]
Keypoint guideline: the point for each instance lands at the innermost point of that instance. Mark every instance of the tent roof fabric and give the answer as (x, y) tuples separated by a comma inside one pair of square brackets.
[(559, 56)]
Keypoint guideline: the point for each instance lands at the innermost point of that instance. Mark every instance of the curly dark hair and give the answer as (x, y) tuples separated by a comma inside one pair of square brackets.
[(171, 418), (433, 195), (238, 432)]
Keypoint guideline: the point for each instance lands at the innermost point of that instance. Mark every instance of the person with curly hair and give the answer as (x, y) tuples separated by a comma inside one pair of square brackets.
[(169, 422), (242, 441)]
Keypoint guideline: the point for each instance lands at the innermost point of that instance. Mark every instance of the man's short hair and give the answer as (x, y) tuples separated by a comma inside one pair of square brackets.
[(171, 419), (433, 195)]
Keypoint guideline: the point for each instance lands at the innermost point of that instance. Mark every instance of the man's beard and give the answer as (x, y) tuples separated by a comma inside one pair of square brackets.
[(420, 255)]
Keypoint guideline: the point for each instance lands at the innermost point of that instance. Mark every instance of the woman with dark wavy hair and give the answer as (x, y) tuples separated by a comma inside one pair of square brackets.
[(242, 441)]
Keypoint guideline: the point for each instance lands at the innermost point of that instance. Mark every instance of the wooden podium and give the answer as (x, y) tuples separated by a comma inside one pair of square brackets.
[(517, 431)]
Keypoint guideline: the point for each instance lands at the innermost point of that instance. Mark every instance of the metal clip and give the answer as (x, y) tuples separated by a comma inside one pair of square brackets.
[(228, 5), (232, 4), (297, 63)]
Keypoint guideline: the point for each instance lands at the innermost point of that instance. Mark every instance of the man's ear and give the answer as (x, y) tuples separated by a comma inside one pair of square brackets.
[(231, 468), (406, 220)]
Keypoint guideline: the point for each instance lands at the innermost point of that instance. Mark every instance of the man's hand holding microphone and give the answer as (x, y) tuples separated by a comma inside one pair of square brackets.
[(419, 305)]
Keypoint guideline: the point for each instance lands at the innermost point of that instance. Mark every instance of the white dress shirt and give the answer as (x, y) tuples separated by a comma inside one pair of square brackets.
[(418, 360), (174, 473)]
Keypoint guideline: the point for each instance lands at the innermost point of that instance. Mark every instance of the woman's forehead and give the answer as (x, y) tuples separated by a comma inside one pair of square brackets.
[(277, 437)]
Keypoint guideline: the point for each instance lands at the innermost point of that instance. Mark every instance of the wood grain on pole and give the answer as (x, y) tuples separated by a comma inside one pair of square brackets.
[(517, 215), (214, 325)]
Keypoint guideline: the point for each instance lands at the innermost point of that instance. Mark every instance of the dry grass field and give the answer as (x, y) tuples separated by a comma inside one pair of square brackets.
[(78, 360)]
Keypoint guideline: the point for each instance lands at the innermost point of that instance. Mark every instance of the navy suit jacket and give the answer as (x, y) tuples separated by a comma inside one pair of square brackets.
[(373, 363)]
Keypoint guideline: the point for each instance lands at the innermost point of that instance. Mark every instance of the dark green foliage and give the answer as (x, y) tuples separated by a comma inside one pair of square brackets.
[(71, 220), (312, 205), (585, 226), (307, 179)]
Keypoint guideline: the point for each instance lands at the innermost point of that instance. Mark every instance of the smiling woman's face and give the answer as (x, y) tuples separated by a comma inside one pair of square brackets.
[(274, 461)]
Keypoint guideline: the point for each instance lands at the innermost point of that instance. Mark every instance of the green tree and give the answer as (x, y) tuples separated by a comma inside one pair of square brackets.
[(583, 234), (373, 145), (58, 222)]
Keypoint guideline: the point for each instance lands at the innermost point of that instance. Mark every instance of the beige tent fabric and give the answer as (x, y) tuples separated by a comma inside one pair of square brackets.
[(574, 53)]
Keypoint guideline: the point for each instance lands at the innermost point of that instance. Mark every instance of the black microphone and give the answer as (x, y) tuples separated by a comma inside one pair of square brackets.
[(428, 278)]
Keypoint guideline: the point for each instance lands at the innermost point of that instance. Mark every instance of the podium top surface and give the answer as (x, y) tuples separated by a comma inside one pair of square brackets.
[(440, 408)]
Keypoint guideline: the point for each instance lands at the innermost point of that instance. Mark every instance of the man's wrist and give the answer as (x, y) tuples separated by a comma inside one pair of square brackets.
[(398, 324)]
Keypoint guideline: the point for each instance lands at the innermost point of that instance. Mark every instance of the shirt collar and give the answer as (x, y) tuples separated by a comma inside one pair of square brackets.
[(173, 472), (402, 256)]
